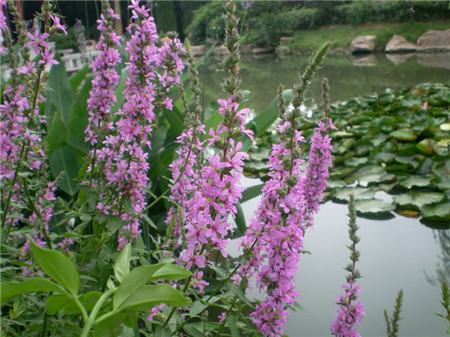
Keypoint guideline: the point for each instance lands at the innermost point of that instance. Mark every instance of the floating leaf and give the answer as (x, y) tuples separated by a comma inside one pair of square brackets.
[(418, 199), (373, 206), (437, 212), (425, 146), (373, 173), (403, 135), (418, 181), (342, 194)]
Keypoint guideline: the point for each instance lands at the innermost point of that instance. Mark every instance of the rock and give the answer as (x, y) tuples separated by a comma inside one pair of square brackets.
[(363, 44), (398, 44), (261, 50), (434, 40), (286, 40), (198, 50), (221, 51)]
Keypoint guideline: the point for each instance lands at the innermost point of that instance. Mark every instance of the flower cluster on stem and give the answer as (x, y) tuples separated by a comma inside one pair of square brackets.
[(185, 167), (218, 189), (274, 239), (123, 156), (22, 125), (351, 310)]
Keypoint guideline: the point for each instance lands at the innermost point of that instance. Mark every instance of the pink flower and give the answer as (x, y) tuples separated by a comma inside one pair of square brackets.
[(57, 23)]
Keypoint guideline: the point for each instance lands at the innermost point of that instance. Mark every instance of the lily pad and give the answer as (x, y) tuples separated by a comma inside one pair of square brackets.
[(437, 212), (342, 194), (425, 146), (373, 206), (403, 135), (409, 213), (419, 181), (373, 173), (418, 199), (445, 127)]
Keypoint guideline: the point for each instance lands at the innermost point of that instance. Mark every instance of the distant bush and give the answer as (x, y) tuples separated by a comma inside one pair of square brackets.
[(264, 22)]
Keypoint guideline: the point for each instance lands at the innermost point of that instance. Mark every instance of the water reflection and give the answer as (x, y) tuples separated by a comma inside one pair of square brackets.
[(374, 73), (395, 254)]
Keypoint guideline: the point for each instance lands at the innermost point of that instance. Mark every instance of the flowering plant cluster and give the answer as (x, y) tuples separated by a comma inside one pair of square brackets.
[(145, 209)]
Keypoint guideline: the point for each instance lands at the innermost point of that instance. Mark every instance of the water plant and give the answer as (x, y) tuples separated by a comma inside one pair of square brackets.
[(392, 327), (351, 310)]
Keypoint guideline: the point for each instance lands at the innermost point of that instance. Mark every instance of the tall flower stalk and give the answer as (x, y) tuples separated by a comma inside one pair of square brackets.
[(218, 189), (274, 238), (102, 96), (350, 311), (124, 154), (185, 167), (23, 164)]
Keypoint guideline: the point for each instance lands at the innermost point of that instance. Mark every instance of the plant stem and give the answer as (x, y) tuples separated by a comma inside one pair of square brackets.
[(222, 325), (188, 282), (91, 320)]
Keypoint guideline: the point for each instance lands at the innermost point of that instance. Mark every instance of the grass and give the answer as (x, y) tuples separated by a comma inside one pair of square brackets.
[(341, 36)]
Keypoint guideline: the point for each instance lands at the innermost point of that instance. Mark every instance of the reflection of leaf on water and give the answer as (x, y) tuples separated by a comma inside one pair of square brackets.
[(442, 267)]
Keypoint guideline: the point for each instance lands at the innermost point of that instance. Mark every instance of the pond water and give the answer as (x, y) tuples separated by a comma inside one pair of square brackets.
[(400, 253), (348, 76), (396, 254)]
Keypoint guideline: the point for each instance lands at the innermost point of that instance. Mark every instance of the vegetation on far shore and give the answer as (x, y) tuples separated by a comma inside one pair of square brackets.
[(341, 36)]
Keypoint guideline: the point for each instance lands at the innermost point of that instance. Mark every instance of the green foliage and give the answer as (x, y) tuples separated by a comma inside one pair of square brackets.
[(133, 293), (58, 267), (445, 301), (264, 22)]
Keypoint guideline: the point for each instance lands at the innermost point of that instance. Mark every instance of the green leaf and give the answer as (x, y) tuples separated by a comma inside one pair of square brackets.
[(110, 327), (342, 194), (77, 78), (58, 267), (373, 206), (57, 133), (437, 212), (403, 135), (425, 146), (265, 118), (175, 120), (241, 226), (418, 181), (251, 192), (62, 302), (79, 119), (149, 296), (63, 161), (231, 323), (143, 274), (13, 288), (373, 174), (59, 92), (122, 265), (418, 199)]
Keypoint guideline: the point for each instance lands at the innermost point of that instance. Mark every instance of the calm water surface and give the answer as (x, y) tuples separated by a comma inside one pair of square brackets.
[(400, 253)]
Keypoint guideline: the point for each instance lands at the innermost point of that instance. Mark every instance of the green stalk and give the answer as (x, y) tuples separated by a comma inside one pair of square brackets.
[(92, 317)]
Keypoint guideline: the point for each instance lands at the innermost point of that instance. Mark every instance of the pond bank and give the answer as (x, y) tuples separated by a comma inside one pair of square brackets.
[(341, 36)]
